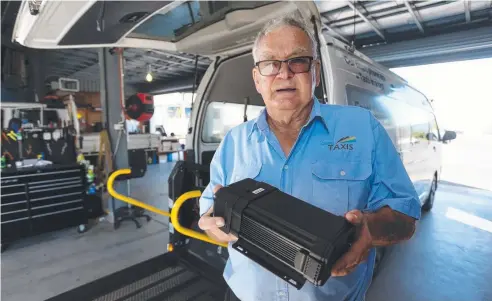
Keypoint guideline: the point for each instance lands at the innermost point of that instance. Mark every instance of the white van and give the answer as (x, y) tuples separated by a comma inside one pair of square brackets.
[(225, 31)]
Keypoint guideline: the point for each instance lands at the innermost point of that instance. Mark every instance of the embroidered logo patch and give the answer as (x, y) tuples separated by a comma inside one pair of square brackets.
[(345, 143)]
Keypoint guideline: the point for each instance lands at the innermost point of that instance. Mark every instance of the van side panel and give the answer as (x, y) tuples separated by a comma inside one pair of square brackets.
[(404, 112)]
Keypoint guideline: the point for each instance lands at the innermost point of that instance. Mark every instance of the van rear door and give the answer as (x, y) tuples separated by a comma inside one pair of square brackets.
[(207, 28)]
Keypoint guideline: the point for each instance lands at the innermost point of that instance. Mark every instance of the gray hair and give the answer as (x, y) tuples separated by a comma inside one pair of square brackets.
[(294, 19)]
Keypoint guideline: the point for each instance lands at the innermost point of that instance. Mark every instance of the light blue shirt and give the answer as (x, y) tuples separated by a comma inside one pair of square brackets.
[(343, 160)]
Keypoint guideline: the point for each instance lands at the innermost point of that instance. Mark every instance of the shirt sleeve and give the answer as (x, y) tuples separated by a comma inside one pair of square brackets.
[(217, 175), (391, 185)]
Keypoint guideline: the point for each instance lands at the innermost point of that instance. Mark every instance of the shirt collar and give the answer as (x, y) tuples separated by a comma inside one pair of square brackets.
[(261, 123)]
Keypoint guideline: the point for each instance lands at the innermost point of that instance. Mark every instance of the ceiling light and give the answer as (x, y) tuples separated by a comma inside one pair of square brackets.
[(149, 77)]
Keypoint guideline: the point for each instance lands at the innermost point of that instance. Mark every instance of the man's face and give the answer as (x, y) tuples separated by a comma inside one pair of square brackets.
[(286, 90)]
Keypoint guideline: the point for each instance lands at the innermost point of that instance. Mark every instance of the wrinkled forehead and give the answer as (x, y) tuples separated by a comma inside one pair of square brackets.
[(284, 43), (280, 54)]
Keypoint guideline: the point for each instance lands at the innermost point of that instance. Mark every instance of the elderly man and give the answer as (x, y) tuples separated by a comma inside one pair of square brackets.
[(293, 146)]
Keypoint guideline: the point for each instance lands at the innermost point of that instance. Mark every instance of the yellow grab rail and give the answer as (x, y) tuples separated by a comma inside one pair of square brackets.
[(174, 213)]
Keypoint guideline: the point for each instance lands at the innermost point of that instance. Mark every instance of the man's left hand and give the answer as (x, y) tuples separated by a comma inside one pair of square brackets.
[(360, 248)]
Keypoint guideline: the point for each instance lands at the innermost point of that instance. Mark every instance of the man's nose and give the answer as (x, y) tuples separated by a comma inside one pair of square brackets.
[(284, 71)]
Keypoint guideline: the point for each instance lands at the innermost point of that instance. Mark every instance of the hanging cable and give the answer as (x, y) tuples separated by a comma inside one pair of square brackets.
[(352, 44)]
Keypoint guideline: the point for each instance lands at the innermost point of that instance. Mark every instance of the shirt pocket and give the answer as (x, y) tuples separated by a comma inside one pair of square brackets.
[(339, 187), (246, 170)]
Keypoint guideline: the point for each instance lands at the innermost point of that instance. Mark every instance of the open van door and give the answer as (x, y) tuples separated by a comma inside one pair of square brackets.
[(207, 28)]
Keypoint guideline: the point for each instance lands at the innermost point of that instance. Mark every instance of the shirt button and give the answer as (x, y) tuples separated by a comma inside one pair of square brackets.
[(342, 173), (286, 167)]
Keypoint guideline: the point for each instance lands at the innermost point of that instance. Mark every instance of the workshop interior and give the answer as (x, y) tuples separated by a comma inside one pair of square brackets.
[(112, 112)]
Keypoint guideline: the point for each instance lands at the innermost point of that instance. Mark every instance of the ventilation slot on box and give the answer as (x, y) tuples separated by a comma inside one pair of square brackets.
[(268, 240), (312, 268)]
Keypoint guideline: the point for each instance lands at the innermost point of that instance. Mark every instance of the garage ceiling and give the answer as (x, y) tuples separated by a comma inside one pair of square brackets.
[(165, 67), (395, 33), (403, 33)]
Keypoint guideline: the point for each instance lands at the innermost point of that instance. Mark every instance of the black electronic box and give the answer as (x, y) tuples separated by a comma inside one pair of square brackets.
[(289, 237)]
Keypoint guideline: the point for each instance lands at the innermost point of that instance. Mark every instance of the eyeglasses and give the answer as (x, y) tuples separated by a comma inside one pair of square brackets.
[(301, 64)]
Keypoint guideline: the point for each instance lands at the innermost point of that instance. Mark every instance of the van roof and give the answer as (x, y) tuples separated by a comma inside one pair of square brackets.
[(359, 54), (344, 47)]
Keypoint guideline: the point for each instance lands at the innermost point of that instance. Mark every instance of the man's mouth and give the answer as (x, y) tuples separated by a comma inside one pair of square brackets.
[(286, 90)]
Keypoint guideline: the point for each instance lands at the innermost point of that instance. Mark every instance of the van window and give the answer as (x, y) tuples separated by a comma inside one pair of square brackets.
[(434, 129), (390, 110), (189, 17), (371, 101), (220, 117), (411, 97), (170, 25), (420, 131)]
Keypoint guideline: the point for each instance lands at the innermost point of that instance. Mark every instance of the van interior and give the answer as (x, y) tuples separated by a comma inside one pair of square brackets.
[(231, 90), (230, 99)]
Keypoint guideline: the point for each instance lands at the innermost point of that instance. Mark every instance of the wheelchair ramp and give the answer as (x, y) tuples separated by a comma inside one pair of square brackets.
[(167, 277)]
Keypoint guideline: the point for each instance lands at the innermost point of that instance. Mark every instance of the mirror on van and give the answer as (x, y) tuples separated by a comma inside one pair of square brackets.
[(448, 135)]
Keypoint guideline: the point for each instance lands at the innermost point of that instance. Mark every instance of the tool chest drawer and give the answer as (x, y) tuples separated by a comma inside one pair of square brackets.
[(42, 199)]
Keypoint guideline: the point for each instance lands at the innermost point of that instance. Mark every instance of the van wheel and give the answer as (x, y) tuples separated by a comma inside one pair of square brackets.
[(429, 202)]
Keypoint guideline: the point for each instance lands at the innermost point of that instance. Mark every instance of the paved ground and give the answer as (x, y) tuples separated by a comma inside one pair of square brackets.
[(449, 258), (38, 268)]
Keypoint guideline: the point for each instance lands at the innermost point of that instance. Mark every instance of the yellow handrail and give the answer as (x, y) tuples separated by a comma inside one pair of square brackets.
[(174, 213)]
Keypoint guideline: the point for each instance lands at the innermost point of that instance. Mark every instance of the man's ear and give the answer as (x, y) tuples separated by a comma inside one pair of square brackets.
[(256, 79)]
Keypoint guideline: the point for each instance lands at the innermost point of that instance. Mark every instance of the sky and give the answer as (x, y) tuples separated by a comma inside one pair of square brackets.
[(462, 92)]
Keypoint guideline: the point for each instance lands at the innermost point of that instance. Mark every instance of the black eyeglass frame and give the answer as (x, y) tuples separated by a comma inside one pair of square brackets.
[(311, 59)]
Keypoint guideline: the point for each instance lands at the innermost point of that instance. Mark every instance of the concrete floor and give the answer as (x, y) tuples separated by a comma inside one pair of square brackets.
[(41, 267), (449, 258)]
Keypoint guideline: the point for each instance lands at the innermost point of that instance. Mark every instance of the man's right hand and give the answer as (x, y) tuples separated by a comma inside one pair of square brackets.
[(211, 225)]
